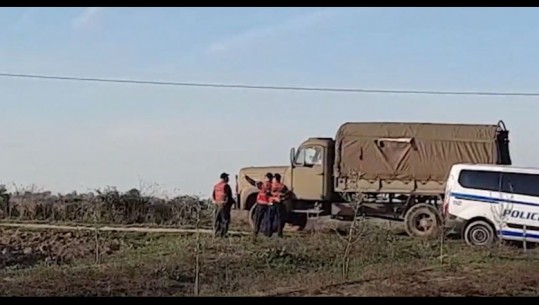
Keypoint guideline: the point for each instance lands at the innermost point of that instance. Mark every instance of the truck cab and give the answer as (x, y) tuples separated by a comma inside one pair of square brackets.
[(311, 174)]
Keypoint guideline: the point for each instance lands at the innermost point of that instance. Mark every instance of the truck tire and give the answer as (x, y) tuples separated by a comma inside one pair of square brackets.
[(249, 202), (252, 217), (423, 221), (298, 221), (479, 233)]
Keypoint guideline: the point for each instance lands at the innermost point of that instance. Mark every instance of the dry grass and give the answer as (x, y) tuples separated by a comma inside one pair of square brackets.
[(305, 264), (104, 207)]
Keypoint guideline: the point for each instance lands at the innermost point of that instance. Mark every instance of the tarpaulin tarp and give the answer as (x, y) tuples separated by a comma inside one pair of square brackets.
[(411, 151)]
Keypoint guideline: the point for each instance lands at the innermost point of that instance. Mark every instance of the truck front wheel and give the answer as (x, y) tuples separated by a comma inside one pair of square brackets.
[(422, 220), (252, 216), (297, 220)]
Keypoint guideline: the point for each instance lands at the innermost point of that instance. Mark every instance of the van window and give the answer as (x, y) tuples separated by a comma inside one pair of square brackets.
[(511, 183), (480, 180), (520, 184)]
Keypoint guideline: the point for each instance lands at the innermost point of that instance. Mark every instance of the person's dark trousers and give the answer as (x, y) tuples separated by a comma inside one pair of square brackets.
[(281, 219), (288, 206), (221, 220), (260, 212), (269, 221), (275, 221)]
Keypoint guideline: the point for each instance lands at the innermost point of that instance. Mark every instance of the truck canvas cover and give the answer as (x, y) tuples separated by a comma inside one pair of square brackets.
[(412, 151)]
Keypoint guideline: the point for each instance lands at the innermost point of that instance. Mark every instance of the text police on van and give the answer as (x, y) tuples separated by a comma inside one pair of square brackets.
[(521, 214)]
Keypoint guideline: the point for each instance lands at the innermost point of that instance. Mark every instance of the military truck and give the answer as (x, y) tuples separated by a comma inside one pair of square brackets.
[(397, 170)]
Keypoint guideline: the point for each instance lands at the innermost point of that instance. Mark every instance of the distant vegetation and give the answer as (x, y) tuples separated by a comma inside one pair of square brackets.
[(107, 206)]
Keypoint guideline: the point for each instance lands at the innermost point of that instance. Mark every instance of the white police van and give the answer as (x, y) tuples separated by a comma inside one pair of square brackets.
[(486, 202)]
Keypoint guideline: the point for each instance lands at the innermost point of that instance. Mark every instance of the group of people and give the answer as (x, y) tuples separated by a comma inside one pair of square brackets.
[(269, 212)]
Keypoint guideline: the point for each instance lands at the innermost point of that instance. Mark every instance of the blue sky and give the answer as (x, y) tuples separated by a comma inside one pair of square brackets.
[(68, 136)]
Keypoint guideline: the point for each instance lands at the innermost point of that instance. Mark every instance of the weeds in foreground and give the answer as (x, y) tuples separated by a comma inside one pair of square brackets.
[(380, 264)]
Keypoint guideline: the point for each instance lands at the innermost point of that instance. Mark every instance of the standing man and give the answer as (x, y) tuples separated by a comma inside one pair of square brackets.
[(263, 201), (223, 201), (278, 193), (261, 208)]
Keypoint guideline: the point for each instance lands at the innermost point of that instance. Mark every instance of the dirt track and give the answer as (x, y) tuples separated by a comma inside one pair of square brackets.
[(111, 229)]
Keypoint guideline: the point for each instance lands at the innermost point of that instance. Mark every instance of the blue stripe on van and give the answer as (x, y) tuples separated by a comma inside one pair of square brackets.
[(491, 200), (518, 234)]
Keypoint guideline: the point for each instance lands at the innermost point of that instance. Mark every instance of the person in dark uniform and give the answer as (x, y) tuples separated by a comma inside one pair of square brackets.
[(223, 201)]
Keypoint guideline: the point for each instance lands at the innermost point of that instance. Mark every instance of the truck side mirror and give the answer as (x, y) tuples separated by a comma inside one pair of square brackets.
[(292, 156)]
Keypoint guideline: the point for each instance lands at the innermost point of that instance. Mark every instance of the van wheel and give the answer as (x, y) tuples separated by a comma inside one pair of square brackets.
[(422, 220), (479, 233)]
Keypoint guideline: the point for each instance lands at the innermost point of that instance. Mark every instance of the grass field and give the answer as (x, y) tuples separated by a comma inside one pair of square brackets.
[(382, 263)]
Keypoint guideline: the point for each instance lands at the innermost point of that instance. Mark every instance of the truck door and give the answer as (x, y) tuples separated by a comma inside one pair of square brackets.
[(308, 178)]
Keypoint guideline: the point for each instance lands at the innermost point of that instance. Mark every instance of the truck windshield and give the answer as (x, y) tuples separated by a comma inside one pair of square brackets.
[(309, 155)]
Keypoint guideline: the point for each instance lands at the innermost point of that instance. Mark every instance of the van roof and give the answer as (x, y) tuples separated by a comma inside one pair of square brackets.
[(503, 168)]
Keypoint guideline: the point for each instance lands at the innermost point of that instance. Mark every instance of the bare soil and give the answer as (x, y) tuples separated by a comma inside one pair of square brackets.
[(23, 249)]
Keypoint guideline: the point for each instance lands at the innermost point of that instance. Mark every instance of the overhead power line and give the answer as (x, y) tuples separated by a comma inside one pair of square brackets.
[(261, 87)]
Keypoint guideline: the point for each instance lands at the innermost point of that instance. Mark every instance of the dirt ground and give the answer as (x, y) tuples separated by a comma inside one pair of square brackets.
[(21, 249), (381, 263)]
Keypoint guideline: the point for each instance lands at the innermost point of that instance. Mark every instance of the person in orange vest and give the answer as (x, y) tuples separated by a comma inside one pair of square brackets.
[(262, 205), (278, 189), (268, 178), (223, 201), (277, 210)]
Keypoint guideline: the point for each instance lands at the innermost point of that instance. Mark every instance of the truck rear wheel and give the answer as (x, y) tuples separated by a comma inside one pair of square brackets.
[(422, 220)]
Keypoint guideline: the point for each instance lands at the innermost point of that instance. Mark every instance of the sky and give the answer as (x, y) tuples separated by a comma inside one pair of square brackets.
[(65, 135)]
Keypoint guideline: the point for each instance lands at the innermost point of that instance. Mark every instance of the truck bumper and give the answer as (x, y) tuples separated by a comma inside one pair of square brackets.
[(454, 225), (341, 210)]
